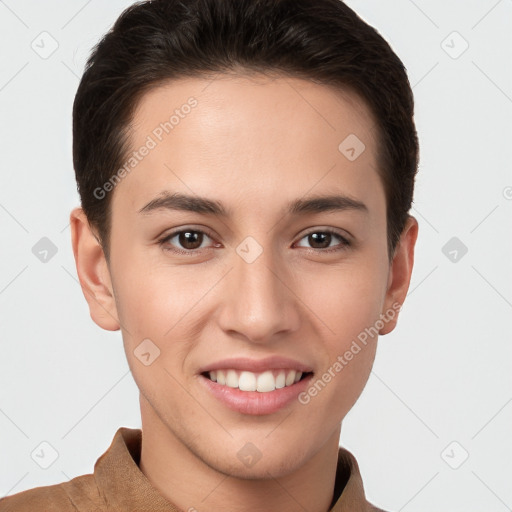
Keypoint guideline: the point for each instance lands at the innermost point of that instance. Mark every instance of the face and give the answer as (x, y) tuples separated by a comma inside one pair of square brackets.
[(264, 281)]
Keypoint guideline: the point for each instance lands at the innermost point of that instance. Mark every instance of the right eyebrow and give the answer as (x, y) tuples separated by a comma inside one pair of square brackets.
[(179, 201)]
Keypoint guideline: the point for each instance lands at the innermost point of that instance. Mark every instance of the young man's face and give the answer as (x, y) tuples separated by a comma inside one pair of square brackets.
[(261, 282)]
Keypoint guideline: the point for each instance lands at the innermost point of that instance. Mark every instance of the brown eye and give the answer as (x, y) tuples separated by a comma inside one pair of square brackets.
[(190, 239), (185, 241), (321, 240)]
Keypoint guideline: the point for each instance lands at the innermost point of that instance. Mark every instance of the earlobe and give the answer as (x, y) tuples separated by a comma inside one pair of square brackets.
[(93, 272), (399, 275)]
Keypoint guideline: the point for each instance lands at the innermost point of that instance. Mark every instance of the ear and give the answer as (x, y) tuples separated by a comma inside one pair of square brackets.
[(400, 274), (93, 272)]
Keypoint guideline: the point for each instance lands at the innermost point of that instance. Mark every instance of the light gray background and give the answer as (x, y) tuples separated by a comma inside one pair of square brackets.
[(443, 376)]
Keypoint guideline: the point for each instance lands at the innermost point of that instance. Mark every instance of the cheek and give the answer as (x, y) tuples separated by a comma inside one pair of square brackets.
[(153, 295), (152, 308), (337, 386), (161, 303), (347, 306), (346, 299), (350, 352)]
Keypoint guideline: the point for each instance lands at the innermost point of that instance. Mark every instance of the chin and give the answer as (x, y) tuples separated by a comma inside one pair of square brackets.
[(248, 463), (262, 470)]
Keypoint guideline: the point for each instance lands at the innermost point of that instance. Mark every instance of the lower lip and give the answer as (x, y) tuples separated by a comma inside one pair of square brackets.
[(254, 402)]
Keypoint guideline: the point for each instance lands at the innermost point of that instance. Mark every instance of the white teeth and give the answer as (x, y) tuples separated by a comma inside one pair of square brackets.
[(232, 379), (290, 378), (221, 378), (248, 381), (266, 382), (281, 380)]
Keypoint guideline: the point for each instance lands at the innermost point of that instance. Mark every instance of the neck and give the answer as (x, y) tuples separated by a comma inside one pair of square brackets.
[(184, 479)]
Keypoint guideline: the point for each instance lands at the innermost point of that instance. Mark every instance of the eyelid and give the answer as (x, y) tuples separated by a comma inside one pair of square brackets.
[(163, 239), (345, 242), (335, 231)]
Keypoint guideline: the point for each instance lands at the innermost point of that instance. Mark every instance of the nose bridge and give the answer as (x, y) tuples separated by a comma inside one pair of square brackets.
[(259, 304)]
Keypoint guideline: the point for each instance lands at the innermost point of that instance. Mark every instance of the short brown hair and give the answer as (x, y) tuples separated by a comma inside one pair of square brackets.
[(319, 40)]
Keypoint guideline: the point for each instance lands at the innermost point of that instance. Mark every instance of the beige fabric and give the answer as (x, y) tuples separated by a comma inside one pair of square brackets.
[(119, 485)]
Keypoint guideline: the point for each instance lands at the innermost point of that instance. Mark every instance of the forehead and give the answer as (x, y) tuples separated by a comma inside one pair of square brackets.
[(264, 103), (241, 134)]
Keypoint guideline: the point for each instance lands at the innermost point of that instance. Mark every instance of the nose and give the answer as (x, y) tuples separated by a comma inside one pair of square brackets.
[(260, 305)]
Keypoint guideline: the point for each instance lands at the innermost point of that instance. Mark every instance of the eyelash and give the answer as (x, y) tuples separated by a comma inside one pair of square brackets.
[(164, 241)]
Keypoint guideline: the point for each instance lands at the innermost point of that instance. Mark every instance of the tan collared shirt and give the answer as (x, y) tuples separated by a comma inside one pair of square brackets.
[(118, 484)]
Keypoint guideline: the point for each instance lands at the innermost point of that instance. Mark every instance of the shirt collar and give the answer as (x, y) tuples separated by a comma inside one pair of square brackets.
[(124, 485)]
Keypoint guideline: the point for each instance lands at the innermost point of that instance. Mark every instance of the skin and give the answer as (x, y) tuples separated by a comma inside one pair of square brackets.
[(252, 143)]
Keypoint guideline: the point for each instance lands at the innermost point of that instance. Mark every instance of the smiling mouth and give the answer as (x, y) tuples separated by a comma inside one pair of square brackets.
[(263, 382)]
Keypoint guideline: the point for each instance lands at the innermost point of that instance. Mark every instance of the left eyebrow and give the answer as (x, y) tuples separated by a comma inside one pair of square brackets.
[(205, 206), (319, 204)]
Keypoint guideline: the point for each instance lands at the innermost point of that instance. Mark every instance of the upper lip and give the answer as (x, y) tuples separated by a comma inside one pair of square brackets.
[(257, 365)]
